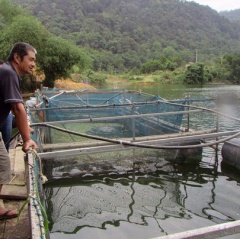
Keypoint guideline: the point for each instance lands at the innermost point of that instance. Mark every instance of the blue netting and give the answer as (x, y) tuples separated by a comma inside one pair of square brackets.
[(99, 97), (92, 111)]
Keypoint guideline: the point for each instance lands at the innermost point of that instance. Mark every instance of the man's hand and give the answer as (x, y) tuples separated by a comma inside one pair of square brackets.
[(28, 144), (22, 125)]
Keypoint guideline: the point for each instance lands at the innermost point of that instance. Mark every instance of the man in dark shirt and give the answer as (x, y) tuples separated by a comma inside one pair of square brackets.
[(6, 128), (21, 61)]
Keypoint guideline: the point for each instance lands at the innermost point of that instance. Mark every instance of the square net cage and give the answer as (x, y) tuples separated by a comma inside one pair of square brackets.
[(81, 117)]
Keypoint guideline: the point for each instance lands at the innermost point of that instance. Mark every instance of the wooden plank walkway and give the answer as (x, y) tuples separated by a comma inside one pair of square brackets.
[(13, 196)]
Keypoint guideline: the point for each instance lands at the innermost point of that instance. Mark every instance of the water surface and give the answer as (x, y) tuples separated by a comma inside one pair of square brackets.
[(165, 199)]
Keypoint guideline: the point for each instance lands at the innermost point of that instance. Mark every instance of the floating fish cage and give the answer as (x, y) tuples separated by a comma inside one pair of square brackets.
[(117, 128), (115, 132), (117, 115)]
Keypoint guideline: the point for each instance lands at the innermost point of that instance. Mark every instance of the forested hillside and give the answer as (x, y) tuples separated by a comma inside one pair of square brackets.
[(124, 34), (233, 16)]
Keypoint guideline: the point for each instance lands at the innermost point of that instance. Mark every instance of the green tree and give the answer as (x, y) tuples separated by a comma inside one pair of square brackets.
[(23, 29), (8, 10), (233, 62), (59, 57), (194, 74)]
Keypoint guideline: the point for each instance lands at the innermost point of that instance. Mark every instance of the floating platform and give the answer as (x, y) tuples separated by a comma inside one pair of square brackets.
[(231, 154)]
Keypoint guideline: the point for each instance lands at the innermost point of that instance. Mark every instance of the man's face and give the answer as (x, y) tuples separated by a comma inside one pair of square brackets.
[(27, 64)]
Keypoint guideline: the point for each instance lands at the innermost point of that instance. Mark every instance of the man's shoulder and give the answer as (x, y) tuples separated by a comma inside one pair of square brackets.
[(7, 70)]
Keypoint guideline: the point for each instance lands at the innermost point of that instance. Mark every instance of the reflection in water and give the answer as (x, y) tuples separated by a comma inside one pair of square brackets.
[(171, 199), (177, 198)]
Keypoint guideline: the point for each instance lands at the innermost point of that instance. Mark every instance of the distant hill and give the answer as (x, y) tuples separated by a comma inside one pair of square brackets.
[(139, 30), (233, 16)]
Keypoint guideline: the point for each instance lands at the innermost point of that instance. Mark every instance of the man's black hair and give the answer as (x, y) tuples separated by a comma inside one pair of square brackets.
[(21, 48)]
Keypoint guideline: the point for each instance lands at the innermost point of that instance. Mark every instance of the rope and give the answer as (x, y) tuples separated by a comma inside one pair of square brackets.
[(82, 100), (42, 176), (38, 220), (112, 97)]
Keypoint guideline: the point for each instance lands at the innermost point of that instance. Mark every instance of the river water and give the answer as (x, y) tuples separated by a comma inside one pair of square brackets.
[(168, 199)]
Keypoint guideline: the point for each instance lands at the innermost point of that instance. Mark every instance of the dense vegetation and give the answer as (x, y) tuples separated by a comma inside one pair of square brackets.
[(116, 36), (130, 33), (233, 16), (55, 55)]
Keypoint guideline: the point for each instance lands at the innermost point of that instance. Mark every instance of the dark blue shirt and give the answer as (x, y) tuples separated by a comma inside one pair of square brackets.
[(9, 89)]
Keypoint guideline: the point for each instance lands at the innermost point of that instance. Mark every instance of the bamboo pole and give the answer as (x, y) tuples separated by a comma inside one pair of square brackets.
[(94, 143), (211, 232)]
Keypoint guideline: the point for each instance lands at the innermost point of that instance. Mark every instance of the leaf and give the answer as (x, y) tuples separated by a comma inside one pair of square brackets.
[(23, 206)]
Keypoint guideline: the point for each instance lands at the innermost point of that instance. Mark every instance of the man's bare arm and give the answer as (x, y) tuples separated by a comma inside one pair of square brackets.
[(22, 125)]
